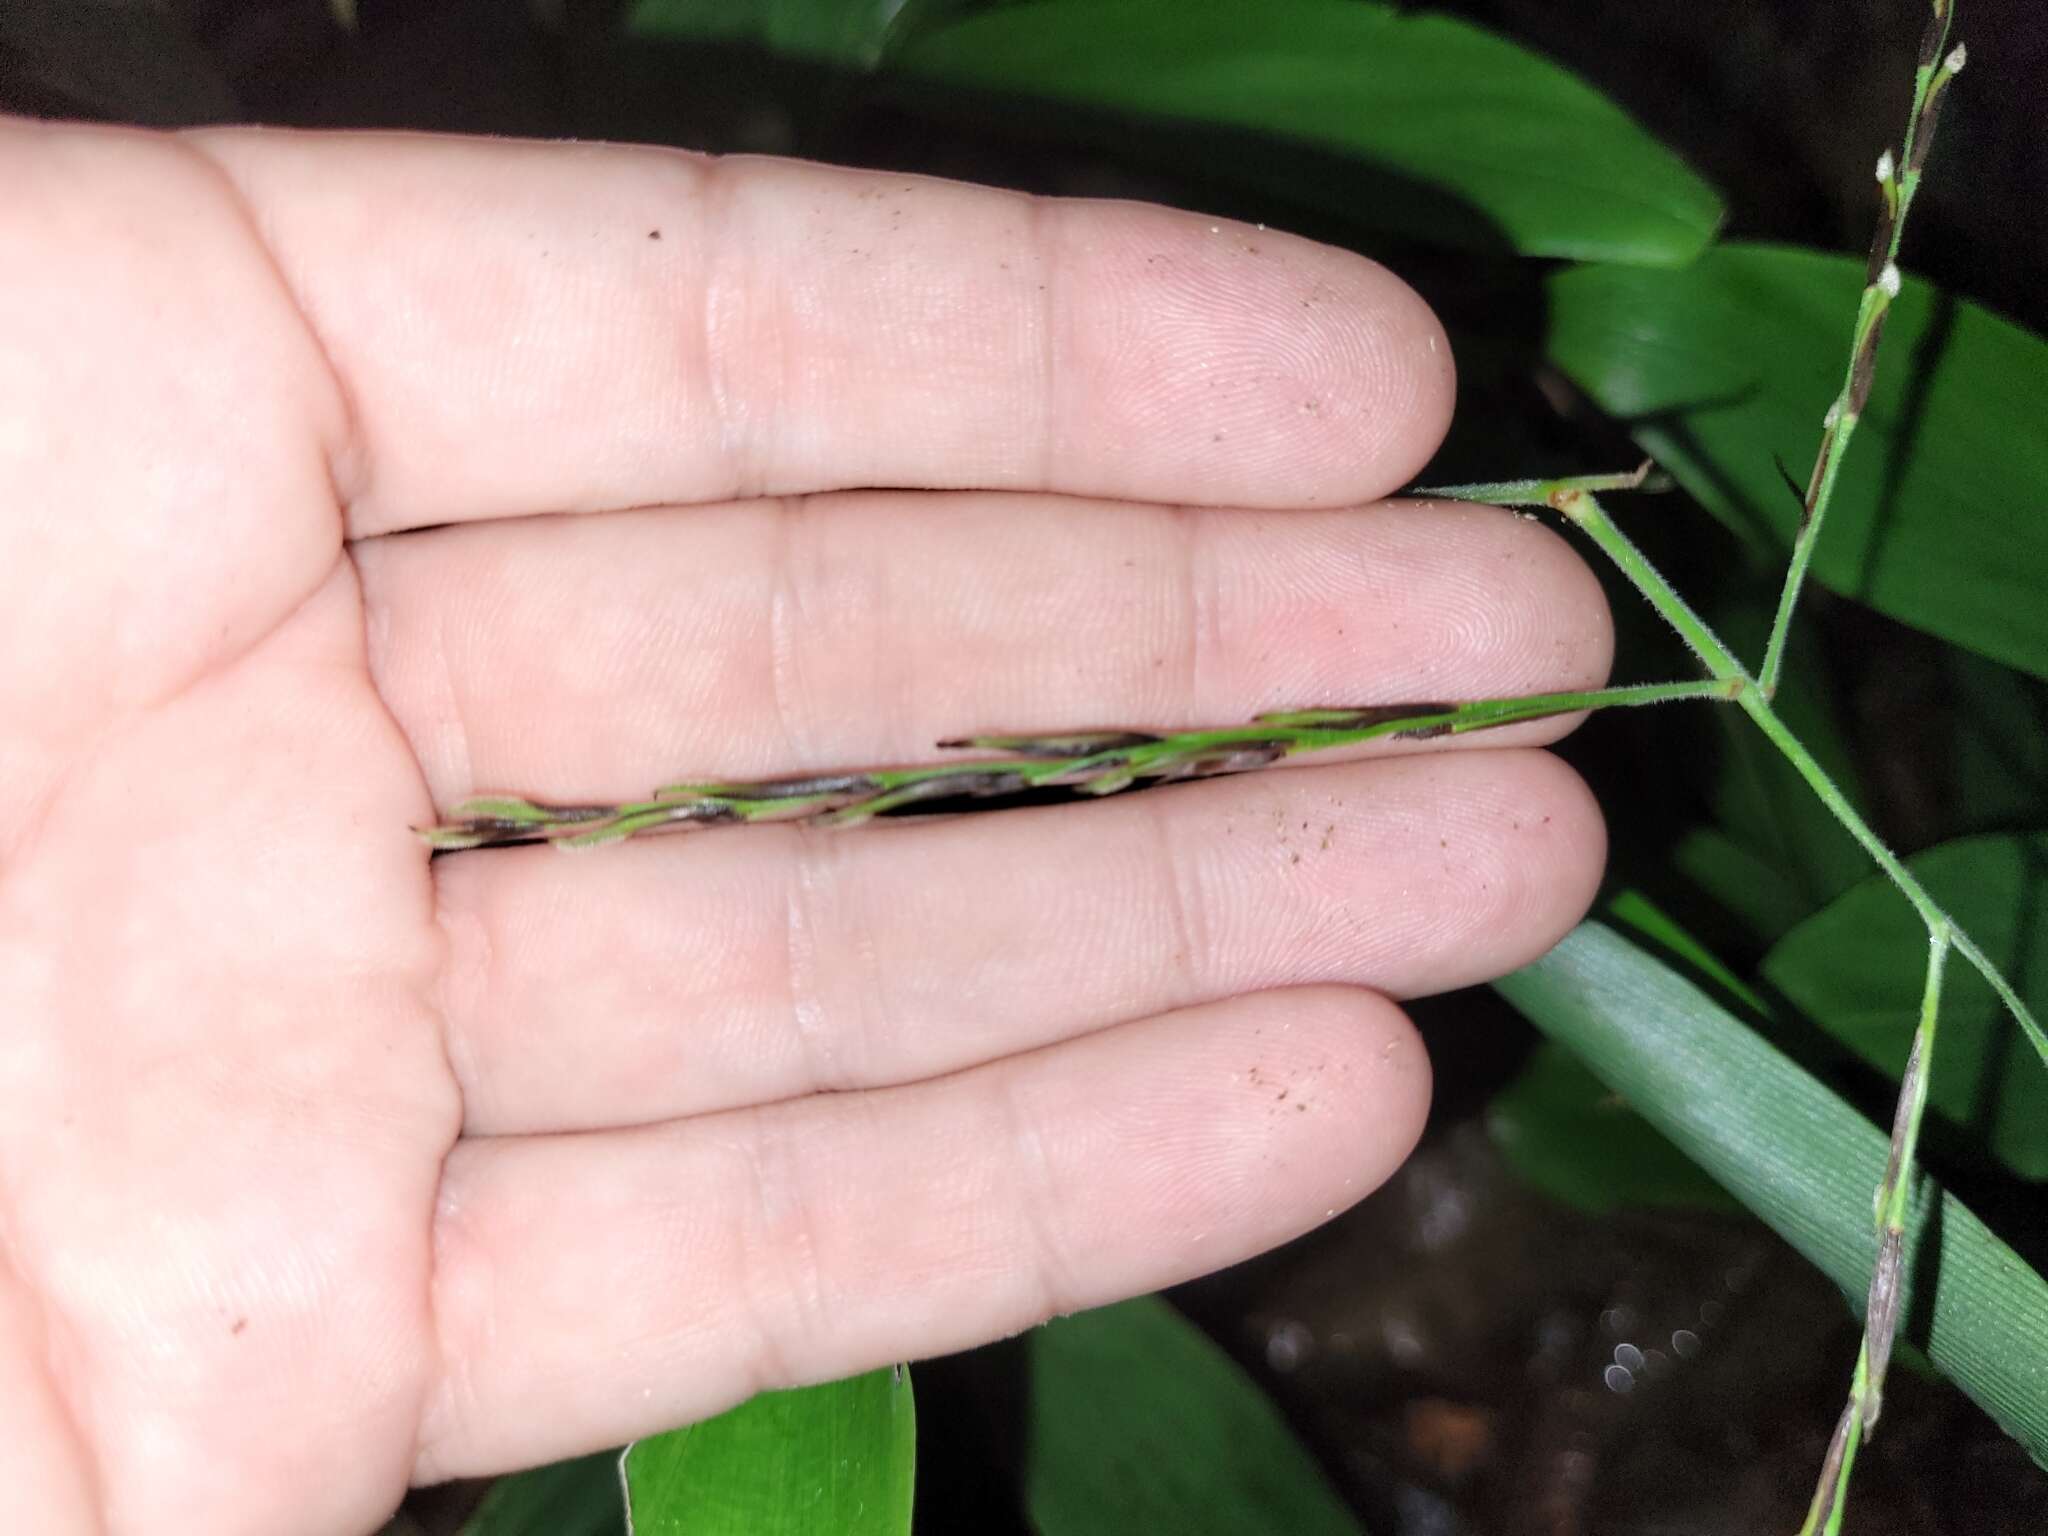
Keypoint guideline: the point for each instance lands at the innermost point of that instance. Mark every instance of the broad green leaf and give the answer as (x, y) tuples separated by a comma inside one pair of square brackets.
[(1998, 722), (1726, 368), (568, 1498), (1139, 1423), (1552, 167), (838, 1458), (1570, 1136), (1772, 853), (1759, 798), (1800, 1158), (1856, 969), (1747, 885)]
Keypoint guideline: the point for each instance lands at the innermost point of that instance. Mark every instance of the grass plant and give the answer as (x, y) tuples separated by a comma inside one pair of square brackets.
[(1101, 762)]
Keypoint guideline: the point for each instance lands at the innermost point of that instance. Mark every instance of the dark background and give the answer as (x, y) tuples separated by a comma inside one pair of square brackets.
[(1442, 1347)]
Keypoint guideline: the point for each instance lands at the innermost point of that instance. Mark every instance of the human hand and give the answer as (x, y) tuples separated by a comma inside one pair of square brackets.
[(325, 1168)]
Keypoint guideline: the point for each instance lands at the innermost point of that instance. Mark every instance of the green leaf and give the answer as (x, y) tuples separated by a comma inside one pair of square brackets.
[(839, 1457), (1572, 1137), (1569, 1136), (1856, 969), (1139, 1423), (1747, 885), (1998, 722), (1554, 167), (1760, 799), (568, 1498), (1800, 1158), (1773, 853), (1727, 367), (1635, 912)]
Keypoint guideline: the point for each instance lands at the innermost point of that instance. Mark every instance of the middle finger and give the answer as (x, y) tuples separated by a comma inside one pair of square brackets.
[(595, 657)]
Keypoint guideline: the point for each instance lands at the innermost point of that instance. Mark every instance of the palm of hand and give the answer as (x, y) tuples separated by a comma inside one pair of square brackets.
[(323, 1169), (227, 1100)]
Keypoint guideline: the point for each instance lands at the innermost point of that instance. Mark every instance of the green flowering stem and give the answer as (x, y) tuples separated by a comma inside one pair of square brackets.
[(1103, 762), (1881, 1309), (1897, 181), (1574, 499), (1089, 762)]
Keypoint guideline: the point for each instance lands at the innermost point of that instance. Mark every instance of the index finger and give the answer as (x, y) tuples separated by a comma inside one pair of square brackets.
[(566, 327)]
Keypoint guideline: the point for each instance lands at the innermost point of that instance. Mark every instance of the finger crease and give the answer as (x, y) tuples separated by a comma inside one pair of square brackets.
[(1179, 890), (724, 308), (780, 1259), (789, 620), (809, 1025), (1039, 1198), (348, 458), (1042, 214), (47, 1318), (1200, 606)]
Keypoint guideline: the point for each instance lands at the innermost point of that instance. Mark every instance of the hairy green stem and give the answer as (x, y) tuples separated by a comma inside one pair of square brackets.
[(1578, 504), (1881, 1309), (1897, 181)]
